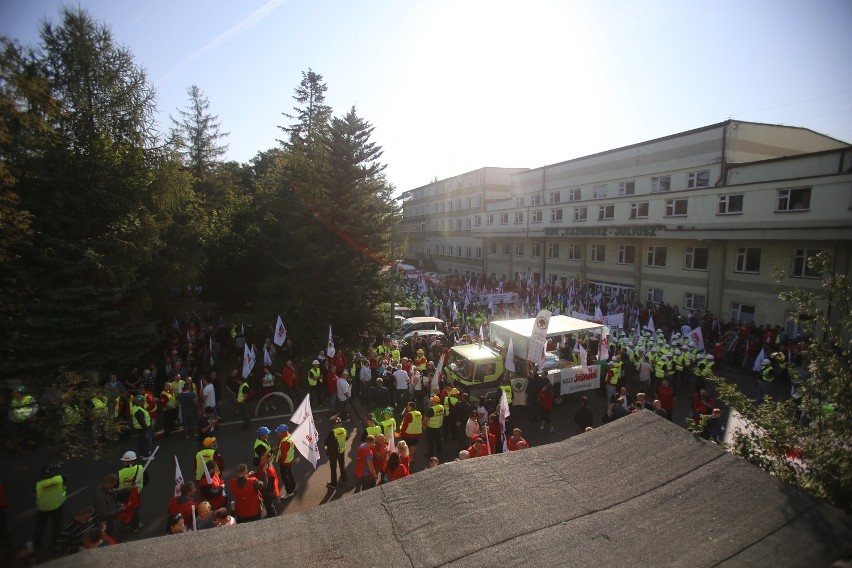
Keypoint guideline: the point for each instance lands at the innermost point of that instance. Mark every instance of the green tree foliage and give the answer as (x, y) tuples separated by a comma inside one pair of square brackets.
[(823, 440), (311, 118), (197, 134)]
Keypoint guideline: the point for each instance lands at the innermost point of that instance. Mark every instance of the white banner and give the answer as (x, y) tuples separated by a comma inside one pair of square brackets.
[(575, 380), (504, 298), (698, 337), (280, 333), (306, 436), (248, 360), (539, 336), (178, 478), (330, 350), (614, 320), (302, 412)]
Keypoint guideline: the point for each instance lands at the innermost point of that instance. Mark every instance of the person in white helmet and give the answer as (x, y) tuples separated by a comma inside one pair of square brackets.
[(132, 476)]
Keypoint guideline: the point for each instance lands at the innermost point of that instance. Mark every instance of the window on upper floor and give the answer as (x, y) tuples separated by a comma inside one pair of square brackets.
[(507, 248), (575, 251), (748, 260), (519, 218), (597, 253), (742, 312), (468, 252), (800, 263), (700, 178), (606, 212), (519, 201), (599, 191), (489, 219), (536, 216), (553, 250), (639, 210), (467, 223), (478, 253), (535, 199), (657, 256), (492, 247), (794, 199), (519, 249), (580, 213), (575, 194), (693, 301), (554, 197), (536, 250), (504, 218), (661, 184), (676, 207), (655, 295), (696, 258), (730, 204), (477, 220), (555, 215), (626, 254), (626, 188)]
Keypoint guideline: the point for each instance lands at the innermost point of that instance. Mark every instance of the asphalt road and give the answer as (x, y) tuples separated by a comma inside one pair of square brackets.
[(20, 472)]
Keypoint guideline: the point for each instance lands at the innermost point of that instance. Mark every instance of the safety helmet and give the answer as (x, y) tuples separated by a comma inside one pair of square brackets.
[(129, 455), (435, 399), (454, 391), (371, 416), (388, 411), (315, 362), (209, 442), (263, 431), (709, 358), (766, 362), (282, 428)]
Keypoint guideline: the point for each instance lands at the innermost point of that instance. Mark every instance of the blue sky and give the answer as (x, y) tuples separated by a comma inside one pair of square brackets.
[(455, 85)]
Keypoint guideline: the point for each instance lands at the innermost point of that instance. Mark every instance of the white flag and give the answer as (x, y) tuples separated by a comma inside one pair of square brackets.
[(248, 360), (510, 357), (434, 385), (455, 313), (603, 345), (178, 478), (280, 333), (330, 350), (267, 358), (206, 471), (698, 338), (759, 360), (583, 358), (306, 437), (504, 413), (651, 323), (598, 313), (303, 411), (481, 335)]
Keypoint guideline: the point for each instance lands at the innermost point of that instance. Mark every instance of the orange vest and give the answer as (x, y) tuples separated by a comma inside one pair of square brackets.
[(247, 498)]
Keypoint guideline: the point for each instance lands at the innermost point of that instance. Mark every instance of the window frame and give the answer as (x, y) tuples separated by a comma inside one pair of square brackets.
[(653, 293), (725, 199), (635, 207), (803, 272), (552, 250), (741, 260), (739, 312), (789, 199), (575, 194), (652, 257), (554, 197), (536, 216), (689, 255), (603, 209), (504, 218), (657, 183), (600, 191), (672, 206), (554, 213), (698, 179), (575, 251), (627, 188), (519, 248), (689, 301), (624, 251), (585, 215), (597, 252)]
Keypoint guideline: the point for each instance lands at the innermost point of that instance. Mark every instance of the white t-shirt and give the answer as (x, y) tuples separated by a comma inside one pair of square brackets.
[(401, 379), (209, 394), (344, 391)]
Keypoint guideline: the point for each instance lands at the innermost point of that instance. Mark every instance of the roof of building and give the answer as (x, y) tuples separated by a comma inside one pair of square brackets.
[(639, 491)]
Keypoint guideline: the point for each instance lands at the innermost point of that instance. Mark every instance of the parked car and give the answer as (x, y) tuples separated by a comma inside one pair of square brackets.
[(419, 324)]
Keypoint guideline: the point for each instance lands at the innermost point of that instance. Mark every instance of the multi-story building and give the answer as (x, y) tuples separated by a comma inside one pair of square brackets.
[(701, 219)]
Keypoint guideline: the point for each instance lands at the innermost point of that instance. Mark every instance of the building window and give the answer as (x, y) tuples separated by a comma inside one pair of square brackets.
[(478, 201), (606, 212), (730, 204), (555, 215), (468, 252), (458, 224), (458, 252), (676, 207), (580, 213), (655, 295), (575, 194), (553, 250), (489, 219), (692, 301), (748, 260), (492, 248), (536, 250), (599, 191), (469, 202), (696, 258), (657, 256), (519, 249), (554, 197), (794, 199), (598, 253), (535, 199), (800, 263), (626, 254), (437, 249), (504, 218), (478, 252), (535, 217), (507, 248), (639, 210), (575, 251), (626, 188), (477, 220), (698, 179), (742, 312), (519, 218), (467, 223), (519, 201), (661, 184)]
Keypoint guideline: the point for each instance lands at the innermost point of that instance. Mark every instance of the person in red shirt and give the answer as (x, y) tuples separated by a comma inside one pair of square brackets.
[(185, 502), (213, 491), (478, 449), (245, 491), (290, 378), (545, 404), (365, 470), (395, 469), (411, 428), (380, 456), (404, 453), (515, 439), (666, 396), (267, 475)]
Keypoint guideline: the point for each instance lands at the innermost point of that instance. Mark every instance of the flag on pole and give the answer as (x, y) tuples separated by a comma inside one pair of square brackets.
[(510, 357), (698, 337), (758, 361), (306, 436), (440, 366), (583, 358), (504, 413), (598, 313), (651, 323), (455, 313), (267, 358), (178, 478), (330, 350), (481, 335), (391, 440), (248, 360), (280, 333), (206, 471), (302, 411), (603, 345)]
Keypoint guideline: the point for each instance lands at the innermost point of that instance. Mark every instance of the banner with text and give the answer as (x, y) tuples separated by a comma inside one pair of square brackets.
[(575, 380), (614, 320)]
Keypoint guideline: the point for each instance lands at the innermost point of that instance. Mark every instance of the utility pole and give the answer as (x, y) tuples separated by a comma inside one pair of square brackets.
[(392, 285)]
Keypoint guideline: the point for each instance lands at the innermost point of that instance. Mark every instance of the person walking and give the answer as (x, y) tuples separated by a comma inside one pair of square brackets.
[(50, 492), (106, 503), (286, 454), (245, 491), (335, 449)]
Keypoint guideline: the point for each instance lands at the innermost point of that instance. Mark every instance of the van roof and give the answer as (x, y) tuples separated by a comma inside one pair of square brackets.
[(424, 320), (476, 352)]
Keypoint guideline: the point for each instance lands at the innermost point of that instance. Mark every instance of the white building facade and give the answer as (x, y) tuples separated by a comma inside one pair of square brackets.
[(701, 220)]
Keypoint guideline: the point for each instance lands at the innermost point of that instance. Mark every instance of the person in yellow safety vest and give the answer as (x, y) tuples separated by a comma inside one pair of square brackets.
[(381, 349), (50, 493), (243, 398), (395, 354), (617, 366), (335, 448), (168, 403), (434, 425), (611, 380), (388, 424), (450, 401), (505, 387), (314, 380), (23, 405), (372, 428), (286, 453), (261, 444), (129, 476), (142, 423), (767, 375), (206, 454), (420, 361)]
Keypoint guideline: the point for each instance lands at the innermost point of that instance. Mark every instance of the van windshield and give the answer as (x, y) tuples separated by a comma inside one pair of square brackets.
[(460, 365)]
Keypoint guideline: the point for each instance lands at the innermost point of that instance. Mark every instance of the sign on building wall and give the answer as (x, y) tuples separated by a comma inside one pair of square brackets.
[(638, 232)]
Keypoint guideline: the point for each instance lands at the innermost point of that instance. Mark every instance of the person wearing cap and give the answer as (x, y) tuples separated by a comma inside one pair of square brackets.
[(106, 503), (23, 406), (286, 454), (372, 428), (208, 452), (50, 494), (213, 490), (142, 423), (245, 492), (388, 424), (765, 378), (335, 449), (177, 524), (261, 443), (132, 476), (434, 426), (314, 381)]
